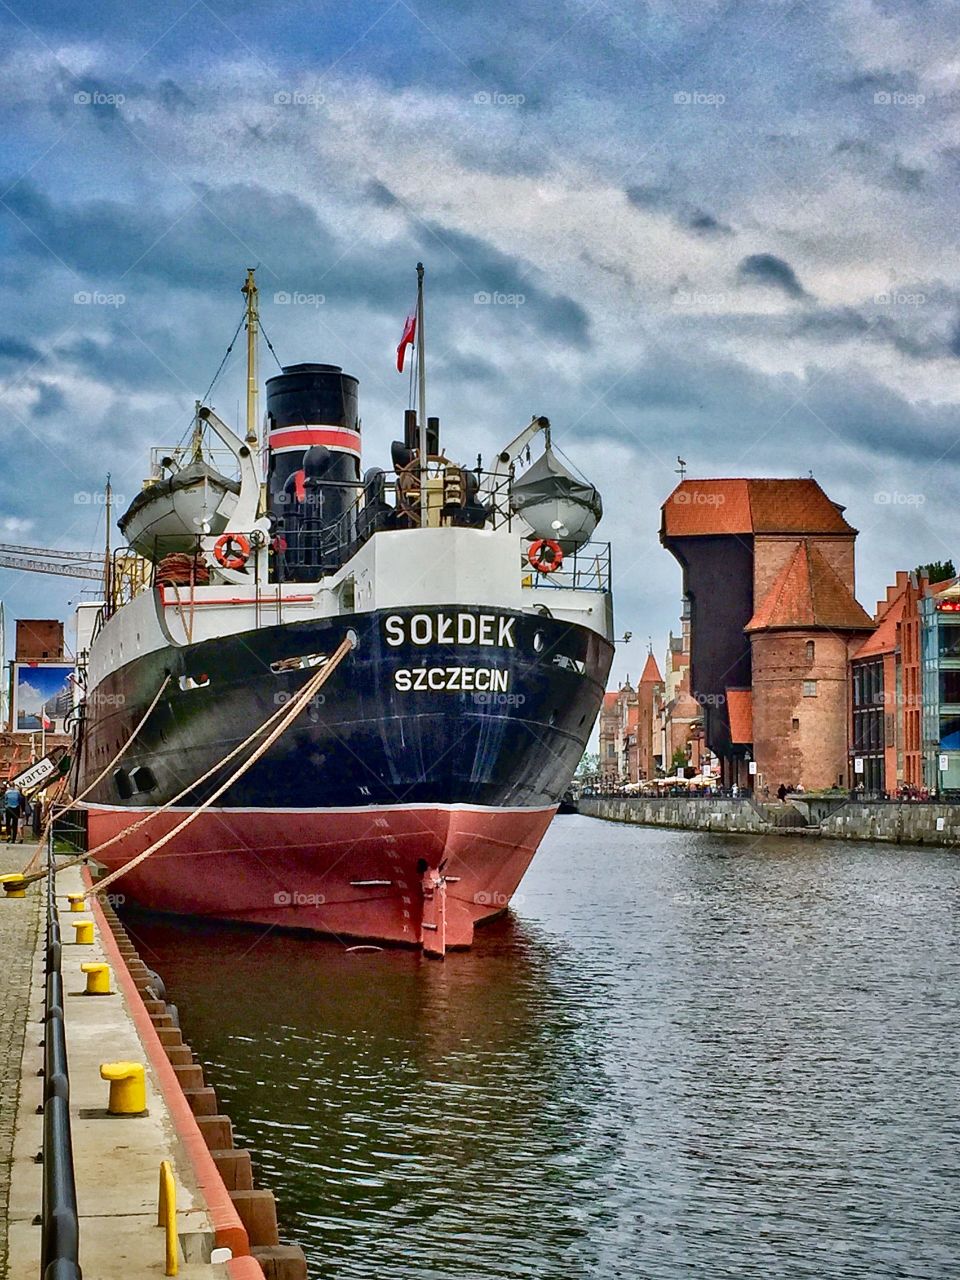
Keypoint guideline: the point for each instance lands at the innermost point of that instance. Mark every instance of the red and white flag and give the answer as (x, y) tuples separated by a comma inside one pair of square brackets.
[(45, 720), (409, 333)]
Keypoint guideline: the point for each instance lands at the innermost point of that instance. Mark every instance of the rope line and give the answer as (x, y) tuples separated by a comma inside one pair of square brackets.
[(97, 780), (290, 713)]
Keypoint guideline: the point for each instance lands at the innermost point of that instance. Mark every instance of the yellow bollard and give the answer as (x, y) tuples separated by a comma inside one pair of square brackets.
[(76, 901), (128, 1087), (84, 930), (13, 886), (98, 978), (167, 1216)]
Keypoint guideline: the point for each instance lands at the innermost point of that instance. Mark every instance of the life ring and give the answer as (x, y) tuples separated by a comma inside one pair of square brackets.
[(232, 550), (536, 555)]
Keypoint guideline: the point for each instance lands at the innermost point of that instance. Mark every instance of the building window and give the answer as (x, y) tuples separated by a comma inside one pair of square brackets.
[(949, 638), (950, 687), (810, 649), (809, 688), (796, 724)]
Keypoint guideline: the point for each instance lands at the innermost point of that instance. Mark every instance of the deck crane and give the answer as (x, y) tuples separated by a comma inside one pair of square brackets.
[(65, 564)]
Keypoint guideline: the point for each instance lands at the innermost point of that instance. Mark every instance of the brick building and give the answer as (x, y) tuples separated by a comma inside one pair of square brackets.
[(768, 571), (628, 728)]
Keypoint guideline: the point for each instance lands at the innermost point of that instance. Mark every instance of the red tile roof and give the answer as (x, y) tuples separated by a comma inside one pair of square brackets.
[(808, 593), (700, 508), (884, 639), (651, 672), (740, 711)]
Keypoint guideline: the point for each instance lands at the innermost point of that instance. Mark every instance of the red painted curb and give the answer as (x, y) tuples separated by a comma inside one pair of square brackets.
[(229, 1231), (245, 1269)]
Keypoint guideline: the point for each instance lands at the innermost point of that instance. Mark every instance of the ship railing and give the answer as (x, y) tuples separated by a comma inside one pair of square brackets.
[(586, 569), (59, 1220), (217, 456)]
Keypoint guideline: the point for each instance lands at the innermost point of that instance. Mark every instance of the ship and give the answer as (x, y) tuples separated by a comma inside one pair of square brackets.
[(406, 800)]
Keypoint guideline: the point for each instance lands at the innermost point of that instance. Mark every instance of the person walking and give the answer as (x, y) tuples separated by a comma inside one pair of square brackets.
[(13, 801), (781, 793)]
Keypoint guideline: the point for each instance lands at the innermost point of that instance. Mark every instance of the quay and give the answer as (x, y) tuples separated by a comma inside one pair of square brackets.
[(221, 1226), (885, 821)]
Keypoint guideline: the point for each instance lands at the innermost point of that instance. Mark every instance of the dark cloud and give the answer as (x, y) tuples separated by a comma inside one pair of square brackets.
[(768, 269), (381, 195), (50, 401), (905, 177), (14, 349), (707, 224)]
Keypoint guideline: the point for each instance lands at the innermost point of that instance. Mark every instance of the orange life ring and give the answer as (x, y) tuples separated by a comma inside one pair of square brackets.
[(536, 555), (232, 550)]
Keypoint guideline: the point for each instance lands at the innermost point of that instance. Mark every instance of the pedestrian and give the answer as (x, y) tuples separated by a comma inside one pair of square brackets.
[(13, 801), (781, 793)]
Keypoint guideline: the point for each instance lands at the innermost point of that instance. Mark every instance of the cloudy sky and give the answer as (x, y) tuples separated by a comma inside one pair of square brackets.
[(722, 230)]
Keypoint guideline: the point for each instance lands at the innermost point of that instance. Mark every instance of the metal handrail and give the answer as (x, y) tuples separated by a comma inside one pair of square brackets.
[(60, 1227), (586, 569)]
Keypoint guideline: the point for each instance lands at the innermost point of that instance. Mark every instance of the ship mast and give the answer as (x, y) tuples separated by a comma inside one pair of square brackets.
[(253, 326), (422, 402), (107, 565)]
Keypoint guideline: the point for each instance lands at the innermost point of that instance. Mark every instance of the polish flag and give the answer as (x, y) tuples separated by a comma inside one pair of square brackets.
[(409, 333), (45, 720)]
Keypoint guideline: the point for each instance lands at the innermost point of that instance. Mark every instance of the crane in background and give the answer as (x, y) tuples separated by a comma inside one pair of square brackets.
[(65, 564)]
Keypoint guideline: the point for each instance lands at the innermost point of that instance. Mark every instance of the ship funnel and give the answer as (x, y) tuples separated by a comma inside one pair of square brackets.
[(313, 465)]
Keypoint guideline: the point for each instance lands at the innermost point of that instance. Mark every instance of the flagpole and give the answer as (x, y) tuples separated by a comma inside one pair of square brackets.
[(422, 406)]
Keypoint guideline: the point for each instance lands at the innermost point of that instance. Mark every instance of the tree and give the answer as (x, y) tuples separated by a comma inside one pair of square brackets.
[(589, 765), (678, 760), (936, 571)]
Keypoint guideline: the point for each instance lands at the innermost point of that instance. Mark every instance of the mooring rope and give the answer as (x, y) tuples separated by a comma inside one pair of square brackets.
[(290, 713), (41, 844)]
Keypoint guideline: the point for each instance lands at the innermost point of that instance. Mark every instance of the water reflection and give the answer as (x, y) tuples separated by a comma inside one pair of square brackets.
[(683, 1055)]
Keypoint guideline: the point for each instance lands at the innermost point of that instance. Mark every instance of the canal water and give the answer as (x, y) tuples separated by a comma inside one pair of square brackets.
[(681, 1055)]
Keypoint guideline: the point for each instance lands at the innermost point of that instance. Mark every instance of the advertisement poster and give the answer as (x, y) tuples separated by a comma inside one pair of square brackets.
[(42, 696)]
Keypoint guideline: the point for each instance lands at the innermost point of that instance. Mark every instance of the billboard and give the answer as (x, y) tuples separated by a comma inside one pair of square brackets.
[(42, 696)]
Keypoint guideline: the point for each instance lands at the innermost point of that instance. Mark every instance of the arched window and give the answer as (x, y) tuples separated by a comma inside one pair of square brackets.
[(811, 648)]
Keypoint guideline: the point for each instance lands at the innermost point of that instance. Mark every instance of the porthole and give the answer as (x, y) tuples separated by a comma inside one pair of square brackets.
[(538, 641)]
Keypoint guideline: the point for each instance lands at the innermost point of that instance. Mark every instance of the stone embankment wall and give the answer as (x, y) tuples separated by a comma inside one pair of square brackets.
[(921, 824)]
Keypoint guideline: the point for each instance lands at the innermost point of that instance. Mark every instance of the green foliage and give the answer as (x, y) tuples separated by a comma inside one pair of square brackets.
[(936, 571), (678, 760), (589, 765)]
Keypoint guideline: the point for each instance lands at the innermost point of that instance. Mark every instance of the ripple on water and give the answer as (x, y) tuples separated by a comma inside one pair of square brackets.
[(684, 1055)]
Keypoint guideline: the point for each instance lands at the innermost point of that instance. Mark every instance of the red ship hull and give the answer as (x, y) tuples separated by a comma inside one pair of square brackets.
[(419, 875)]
